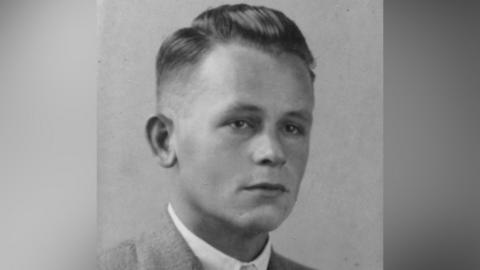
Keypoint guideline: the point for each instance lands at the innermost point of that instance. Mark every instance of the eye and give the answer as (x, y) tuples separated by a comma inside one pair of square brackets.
[(240, 124), (293, 129)]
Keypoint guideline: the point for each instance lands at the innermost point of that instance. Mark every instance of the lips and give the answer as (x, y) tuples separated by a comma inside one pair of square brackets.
[(267, 187)]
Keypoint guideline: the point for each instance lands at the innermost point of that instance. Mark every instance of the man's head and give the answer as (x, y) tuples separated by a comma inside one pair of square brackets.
[(234, 112)]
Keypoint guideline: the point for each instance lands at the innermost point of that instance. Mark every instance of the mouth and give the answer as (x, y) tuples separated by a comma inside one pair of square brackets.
[(267, 187)]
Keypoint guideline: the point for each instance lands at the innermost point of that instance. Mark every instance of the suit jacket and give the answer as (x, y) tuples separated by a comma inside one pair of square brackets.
[(167, 249)]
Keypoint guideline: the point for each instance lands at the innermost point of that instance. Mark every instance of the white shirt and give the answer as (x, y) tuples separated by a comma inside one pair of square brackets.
[(212, 258)]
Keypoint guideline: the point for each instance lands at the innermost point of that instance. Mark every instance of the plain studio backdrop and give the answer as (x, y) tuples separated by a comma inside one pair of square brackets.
[(337, 221)]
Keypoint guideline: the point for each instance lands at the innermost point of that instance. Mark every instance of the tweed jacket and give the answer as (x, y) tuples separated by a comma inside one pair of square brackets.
[(166, 249)]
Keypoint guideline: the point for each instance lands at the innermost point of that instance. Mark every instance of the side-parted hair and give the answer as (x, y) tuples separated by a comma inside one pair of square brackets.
[(260, 27)]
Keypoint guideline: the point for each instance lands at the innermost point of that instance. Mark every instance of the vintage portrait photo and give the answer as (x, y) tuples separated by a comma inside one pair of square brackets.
[(240, 135)]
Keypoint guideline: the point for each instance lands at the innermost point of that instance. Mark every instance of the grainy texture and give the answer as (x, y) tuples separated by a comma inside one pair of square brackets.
[(337, 222)]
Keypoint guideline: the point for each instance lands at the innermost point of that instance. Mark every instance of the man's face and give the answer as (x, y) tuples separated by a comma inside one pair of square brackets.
[(242, 144)]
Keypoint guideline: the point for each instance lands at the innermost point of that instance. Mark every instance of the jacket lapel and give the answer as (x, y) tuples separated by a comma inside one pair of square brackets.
[(166, 249), (273, 264)]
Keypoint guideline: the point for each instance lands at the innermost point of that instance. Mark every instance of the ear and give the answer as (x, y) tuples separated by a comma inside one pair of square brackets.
[(159, 134)]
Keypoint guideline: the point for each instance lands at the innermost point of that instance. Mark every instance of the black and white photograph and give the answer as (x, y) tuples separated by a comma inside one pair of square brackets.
[(244, 135), (240, 135)]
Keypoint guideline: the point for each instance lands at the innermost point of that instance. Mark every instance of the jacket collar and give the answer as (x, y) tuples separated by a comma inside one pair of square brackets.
[(166, 249)]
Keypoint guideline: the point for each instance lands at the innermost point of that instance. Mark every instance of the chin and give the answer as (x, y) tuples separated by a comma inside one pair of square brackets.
[(264, 220)]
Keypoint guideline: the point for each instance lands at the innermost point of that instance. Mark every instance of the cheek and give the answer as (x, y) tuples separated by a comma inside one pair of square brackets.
[(187, 150), (209, 156), (225, 160), (298, 156), (297, 161)]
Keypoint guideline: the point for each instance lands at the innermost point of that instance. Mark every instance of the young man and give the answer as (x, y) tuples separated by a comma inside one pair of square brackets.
[(234, 112)]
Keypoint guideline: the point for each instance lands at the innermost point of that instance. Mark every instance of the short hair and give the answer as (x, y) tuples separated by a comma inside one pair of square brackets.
[(260, 27)]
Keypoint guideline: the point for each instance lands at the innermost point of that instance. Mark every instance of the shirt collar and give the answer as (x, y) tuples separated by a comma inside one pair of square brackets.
[(212, 258)]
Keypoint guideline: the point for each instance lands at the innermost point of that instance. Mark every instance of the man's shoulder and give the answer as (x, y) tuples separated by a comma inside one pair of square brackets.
[(280, 262), (150, 250), (124, 256), (120, 257)]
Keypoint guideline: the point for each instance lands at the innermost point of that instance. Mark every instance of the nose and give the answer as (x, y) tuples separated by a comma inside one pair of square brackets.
[(268, 151)]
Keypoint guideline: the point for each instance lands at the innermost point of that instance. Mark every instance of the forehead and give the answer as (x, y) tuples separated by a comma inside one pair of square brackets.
[(244, 74)]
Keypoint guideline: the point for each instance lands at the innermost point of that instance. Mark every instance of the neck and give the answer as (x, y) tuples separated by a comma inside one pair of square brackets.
[(234, 242)]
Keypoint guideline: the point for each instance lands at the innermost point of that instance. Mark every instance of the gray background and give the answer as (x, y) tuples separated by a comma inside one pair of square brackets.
[(337, 222), (48, 171)]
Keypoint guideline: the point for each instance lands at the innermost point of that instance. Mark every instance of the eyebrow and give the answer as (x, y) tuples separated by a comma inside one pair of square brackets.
[(240, 107), (302, 114), (245, 107)]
